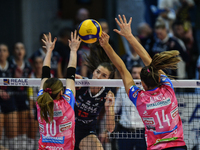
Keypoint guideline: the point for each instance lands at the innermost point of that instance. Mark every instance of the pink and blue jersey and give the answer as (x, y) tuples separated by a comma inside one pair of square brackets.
[(59, 134), (158, 109)]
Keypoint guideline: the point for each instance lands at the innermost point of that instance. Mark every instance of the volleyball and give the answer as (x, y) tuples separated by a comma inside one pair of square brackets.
[(89, 31)]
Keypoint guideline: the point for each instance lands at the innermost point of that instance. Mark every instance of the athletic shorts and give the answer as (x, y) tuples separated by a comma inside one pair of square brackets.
[(22, 102), (81, 134), (8, 106)]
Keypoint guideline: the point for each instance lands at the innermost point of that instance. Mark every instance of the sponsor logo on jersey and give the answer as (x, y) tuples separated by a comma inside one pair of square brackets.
[(57, 113), (54, 148), (41, 128), (48, 139), (151, 128), (174, 112), (158, 104), (148, 120), (64, 127), (6, 82)]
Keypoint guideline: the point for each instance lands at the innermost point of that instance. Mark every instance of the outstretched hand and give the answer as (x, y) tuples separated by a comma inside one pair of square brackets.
[(125, 28), (103, 41), (75, 41), (110, 100), (49, 45)]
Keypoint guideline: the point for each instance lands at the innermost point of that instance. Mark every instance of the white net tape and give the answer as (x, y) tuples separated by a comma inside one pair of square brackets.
[(92, 82)]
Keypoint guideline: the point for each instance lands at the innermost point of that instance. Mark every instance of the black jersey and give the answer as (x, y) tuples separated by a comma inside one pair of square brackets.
[(7, 72), (26, 68), (87, 107)]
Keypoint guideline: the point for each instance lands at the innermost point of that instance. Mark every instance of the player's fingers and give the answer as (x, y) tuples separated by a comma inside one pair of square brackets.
[(120, 19), (117, 31), (44, 47), (44, 41), (49, 36), (71, 35), (55, 39), (75, 34), (119, 24), (45, 37), (130, 20), (124, 19)]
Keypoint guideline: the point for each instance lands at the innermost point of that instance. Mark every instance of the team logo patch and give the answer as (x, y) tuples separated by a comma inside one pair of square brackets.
[(158, 104), (48, 139), (174, 112), (6, 82), (148, 120), (66, 97), (64, 127), (135, 93)]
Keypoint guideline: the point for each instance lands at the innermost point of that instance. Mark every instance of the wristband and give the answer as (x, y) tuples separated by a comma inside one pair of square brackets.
[(46, 72), (71, 73)]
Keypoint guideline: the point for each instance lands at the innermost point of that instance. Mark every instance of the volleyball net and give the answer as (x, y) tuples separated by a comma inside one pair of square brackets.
[(19, 128)]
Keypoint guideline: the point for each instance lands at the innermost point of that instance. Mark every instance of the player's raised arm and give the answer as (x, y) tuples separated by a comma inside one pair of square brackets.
[(125, 30), (117, 61), (49, 45), (74, 44)]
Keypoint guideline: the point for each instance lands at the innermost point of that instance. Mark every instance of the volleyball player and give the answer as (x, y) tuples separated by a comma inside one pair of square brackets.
[(90, 100), (8, 109), (23, 70), (55, 106), (157, 105)]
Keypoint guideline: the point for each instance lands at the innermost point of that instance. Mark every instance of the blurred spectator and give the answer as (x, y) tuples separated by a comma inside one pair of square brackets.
[(8, 111), (169, 13), (164, 42), (144, 32), (184, 11), (149, 15), (55, 59), (132, 59), (178, 34), (23, 70), (192, 50), (106, 29), (81, 15), (197, 23), (131, 128), (62, 47)]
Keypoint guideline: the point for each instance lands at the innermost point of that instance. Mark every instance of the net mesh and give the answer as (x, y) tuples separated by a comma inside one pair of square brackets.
[(19, 127)]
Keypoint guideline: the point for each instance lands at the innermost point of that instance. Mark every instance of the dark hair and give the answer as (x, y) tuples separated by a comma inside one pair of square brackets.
[(136, 66), (45, 101), (177, 23), (98, 57), (164, 60), (42, 34)]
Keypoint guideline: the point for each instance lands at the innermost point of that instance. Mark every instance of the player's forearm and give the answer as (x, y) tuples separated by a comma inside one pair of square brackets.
[(116, 60), (139, 49), (73, 59), (110, 119), (47, 59)]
